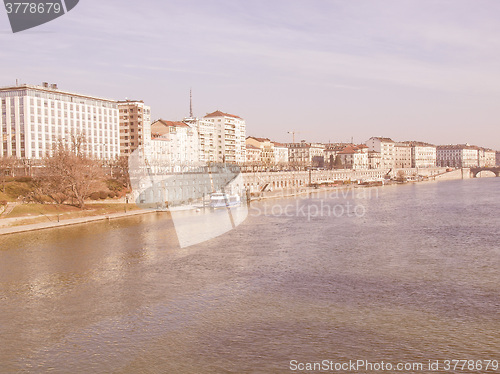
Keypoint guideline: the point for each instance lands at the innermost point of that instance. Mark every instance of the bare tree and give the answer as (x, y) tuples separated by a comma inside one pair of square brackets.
[(119, 168), (49, 186), (73, 173), (6, 166)]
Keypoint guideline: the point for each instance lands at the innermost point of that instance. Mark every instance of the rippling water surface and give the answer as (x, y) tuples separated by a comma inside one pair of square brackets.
[(416, 277)]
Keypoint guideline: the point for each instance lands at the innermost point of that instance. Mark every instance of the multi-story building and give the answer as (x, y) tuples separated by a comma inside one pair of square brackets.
[(331, 152), (174, 146), (206, 136), (229, 137), (221, 137), (266, 147), (374, 160), (306, 154), (486, 157), (402, 155), (271, 153), (34, 118), (253, 154), (498, 158), (423, 155), (354, 157), (135, 125), (280, 153), (458, 156), (384, 146)]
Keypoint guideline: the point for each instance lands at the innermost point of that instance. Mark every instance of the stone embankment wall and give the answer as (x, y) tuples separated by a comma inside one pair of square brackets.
[(455, 174), (291, 179)]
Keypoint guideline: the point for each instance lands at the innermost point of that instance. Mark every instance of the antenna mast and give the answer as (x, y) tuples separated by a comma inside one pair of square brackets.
[(190, 104)]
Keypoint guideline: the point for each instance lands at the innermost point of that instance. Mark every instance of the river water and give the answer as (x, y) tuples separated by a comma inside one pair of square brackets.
[(400, 274)]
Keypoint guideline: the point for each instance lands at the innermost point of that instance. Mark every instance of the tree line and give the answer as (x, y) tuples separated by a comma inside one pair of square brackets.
[(68, 173)]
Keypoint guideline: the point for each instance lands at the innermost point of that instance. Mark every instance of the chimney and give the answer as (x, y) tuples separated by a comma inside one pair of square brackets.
[(53, 86), (45, 84)]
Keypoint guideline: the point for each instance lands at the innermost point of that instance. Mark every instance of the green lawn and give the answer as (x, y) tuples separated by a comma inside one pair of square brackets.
[(5, 197)]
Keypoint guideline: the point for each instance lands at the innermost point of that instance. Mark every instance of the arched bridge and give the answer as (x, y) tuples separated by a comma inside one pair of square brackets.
[(476, 171)]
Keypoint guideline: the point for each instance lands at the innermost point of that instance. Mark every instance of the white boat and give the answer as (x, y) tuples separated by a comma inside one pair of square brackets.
[(223, 200)]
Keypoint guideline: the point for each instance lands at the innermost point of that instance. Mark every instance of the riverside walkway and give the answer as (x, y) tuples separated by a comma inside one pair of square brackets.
[(68, 222)]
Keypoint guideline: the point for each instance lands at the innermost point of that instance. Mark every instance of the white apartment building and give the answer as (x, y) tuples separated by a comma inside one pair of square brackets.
[(486, 157), (458, 156), (135, 125), (423, 155), (229, 132), (174, 147), (280, 153), (206, 137), (385, 146), (35, 117), (402, 155)]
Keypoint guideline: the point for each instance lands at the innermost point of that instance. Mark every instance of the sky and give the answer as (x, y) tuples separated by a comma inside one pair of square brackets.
[(330, 70)]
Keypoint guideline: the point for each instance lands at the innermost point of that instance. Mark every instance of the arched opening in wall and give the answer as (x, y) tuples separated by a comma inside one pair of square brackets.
[(485, 174)]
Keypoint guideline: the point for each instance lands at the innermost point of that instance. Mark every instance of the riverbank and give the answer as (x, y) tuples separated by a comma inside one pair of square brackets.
[(21, 223), (68, 222)]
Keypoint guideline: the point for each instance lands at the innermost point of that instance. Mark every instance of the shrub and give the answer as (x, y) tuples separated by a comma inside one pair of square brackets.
[(3, 202), (24, 179), (103, 195), (111, 194), (114, 185), (94, 195), (16, 190)]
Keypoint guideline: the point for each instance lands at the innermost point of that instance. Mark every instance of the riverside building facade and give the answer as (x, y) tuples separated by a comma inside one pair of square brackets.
[(221, 137), (34, 118), (402, 155), (423, 155), (306, 154), (384, 146), (354, 157), (135, 125), (229, 137), (173, 147), (486, 157), (457, 156)]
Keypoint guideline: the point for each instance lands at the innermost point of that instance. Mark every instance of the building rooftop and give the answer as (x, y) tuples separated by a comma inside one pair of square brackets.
[(457, 146), (351, 149), (415, 143), (160, 127), (218, 113), (276, 144), (127, 101), (382, 139), (249, 146), (303, 144), (51, 88), (262, 140), (169, 123)]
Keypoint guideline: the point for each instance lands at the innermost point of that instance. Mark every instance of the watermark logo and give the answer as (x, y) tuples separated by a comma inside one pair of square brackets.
[(204, 201), (32, 13)]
